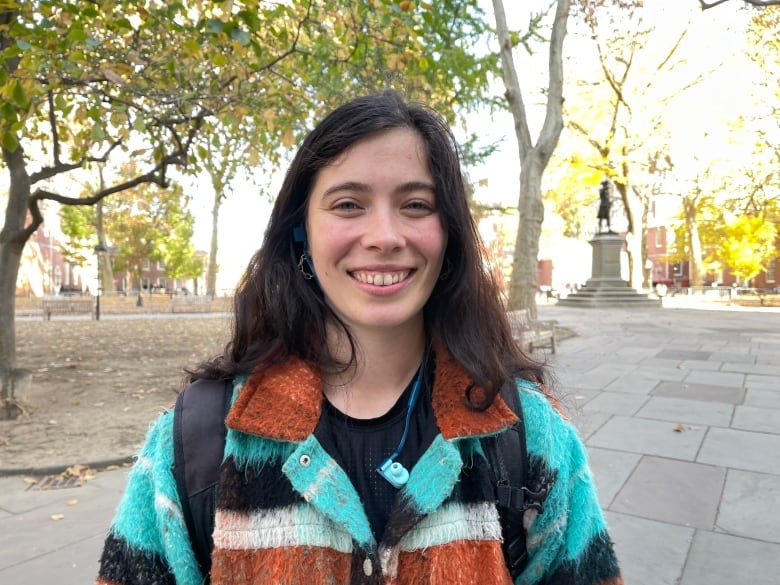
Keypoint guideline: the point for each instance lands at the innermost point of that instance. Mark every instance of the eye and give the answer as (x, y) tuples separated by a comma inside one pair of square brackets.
[(420, 207), (345, 205)]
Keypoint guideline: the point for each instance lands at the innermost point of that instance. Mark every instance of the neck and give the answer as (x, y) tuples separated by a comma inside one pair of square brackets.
[(385, 364)]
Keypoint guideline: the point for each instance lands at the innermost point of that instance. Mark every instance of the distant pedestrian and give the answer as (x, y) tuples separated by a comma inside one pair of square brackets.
[(374, 381)]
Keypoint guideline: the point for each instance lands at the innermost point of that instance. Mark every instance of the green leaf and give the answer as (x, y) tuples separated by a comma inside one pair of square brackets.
[(19, 96), (240, 36), (23, 45), (214, 25), (98, 134), (77, 34), (10, 142)]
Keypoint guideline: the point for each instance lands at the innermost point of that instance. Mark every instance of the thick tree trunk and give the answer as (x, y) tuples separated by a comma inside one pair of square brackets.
[(523, 286), (12, 244), (533, 157), (634, 243), (694, 243)]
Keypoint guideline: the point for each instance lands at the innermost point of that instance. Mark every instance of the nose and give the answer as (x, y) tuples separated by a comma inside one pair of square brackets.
[(383, 230)]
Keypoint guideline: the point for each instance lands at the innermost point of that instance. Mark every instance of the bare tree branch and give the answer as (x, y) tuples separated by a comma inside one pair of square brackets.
[(757, 3)]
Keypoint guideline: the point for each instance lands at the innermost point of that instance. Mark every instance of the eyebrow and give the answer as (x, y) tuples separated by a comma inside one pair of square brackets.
[(357, 187)]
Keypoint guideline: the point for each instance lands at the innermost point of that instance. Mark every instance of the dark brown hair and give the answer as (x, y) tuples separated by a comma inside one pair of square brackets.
[(278, 313)]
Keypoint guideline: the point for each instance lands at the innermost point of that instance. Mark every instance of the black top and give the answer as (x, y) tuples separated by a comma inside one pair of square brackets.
[(359, 445)]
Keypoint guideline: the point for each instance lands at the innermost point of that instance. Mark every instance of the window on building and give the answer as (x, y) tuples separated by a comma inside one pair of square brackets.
[(160, 265), (659, 237), (145, 264), (144, 284), (677, 268), (770, 271)]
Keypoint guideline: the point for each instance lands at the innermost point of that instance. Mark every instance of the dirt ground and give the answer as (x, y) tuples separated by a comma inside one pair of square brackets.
[(96, 386)]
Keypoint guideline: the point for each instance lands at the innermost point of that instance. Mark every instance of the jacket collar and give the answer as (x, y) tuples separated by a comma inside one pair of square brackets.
[(284, 402)]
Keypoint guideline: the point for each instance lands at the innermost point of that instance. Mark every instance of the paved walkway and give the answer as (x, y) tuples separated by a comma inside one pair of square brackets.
[(680, 409)]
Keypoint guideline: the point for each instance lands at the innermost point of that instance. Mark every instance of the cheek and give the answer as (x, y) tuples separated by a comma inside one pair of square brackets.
[(435, 242)]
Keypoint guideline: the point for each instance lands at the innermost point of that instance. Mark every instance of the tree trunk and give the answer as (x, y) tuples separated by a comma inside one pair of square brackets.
[(634, 243), (533, 157), (12, 243), (523, 286), (694, 243), (211, 276), (105, 270)]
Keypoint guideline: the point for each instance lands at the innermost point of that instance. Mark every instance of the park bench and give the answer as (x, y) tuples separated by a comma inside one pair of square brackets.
[(190, 304), (529, 333), (68, 306)]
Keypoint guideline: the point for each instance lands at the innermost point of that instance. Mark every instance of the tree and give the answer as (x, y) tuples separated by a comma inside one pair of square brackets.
[(147, 223), (756, 3), (85, 82), (639, 76), (748, 246), (533, 157)]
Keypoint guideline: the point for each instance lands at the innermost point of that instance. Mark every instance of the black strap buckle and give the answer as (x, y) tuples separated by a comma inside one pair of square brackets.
[(521, 499)]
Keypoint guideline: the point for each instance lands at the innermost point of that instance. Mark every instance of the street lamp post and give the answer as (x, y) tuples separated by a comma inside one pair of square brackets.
[(99, 250)]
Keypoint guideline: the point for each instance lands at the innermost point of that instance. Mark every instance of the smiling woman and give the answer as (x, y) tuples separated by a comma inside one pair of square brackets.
[(376, 237), (382, 422)]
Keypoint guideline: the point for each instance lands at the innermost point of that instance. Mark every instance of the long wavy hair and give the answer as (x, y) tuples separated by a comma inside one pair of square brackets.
[(279, 313)]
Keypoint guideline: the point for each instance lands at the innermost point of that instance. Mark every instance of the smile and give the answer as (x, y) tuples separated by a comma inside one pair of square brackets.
[(381, 278)]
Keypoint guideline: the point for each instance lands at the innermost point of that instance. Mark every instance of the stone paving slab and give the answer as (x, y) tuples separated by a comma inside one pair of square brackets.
[(611, 469), (755, 381), (683, 355), (728, 379), (722, 559), (700, 365), (762, 398), (632, 385), (615, 403), (750, 506), (76, 563), (650, 552), (761, 369), (675, 492), (34, 533), (694, 412), (705, 392), (741, 450), (649, 437), (762, 420)]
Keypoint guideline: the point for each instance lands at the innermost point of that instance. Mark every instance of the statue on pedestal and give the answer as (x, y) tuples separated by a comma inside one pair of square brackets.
[(605, 204)]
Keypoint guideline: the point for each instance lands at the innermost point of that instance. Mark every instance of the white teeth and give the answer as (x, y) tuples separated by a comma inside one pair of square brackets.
[(378, 279)]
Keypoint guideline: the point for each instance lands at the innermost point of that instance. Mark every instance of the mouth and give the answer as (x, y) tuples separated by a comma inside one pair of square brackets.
[(381, 278)]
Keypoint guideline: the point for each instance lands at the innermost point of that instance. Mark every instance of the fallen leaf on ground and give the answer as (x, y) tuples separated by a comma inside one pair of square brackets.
[(57, 516), (72, 502), (679, 429)]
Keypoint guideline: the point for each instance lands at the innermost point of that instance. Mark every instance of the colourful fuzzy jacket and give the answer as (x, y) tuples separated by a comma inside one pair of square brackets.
[(287, 513)]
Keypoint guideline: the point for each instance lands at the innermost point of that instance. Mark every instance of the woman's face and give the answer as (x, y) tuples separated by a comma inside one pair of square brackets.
[(374, 231)]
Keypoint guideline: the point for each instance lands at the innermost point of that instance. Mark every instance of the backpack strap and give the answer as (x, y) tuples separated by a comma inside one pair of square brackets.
[(507, 457), (199, 434)]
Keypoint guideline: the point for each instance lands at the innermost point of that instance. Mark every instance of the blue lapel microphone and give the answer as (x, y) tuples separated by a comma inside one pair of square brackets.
[(390, 469)]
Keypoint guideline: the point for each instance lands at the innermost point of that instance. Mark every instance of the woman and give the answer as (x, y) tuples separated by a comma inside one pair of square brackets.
[(368, 351)]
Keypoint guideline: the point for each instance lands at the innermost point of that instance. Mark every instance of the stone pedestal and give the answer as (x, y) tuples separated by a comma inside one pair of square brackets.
[(606, 288)]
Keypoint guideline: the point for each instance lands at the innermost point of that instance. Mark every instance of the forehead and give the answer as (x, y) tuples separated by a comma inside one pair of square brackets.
[(396, 148)]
